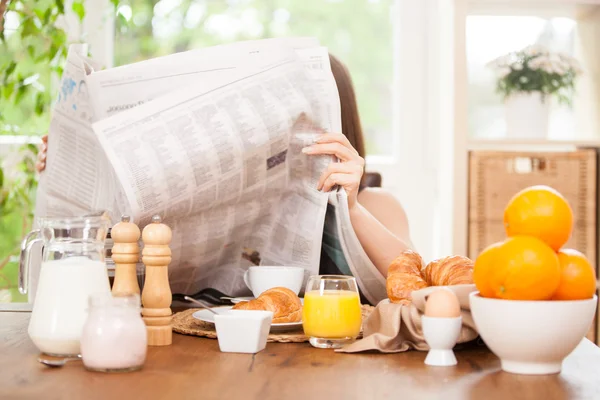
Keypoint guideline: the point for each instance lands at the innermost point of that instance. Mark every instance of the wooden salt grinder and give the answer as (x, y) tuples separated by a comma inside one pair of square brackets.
[(156, 295), (125, 254)]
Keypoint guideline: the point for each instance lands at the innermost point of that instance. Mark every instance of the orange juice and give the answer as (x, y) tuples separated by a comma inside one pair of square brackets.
[(331, 314)]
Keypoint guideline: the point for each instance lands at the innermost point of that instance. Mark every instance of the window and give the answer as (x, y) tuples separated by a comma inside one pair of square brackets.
[(31, 92), (489, 37), (27, 69), (358, 32)]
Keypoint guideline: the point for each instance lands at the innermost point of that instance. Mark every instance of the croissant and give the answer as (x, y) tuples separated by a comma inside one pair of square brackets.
[(452, 270), (406, 274), (284, 304)]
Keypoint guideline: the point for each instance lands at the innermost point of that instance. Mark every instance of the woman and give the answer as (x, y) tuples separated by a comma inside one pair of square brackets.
[(378, 218)]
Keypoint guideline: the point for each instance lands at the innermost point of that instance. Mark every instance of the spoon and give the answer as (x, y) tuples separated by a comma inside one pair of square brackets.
[(58, 362), (201, 304), (234, 299)]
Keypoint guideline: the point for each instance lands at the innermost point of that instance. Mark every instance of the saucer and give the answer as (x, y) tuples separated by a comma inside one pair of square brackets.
[(207, 316)]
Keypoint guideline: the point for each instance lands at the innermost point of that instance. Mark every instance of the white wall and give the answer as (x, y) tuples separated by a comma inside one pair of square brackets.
[(422, 175), (458, 205)]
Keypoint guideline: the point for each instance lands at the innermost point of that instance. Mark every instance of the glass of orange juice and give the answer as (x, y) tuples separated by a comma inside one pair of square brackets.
[(331, 314)]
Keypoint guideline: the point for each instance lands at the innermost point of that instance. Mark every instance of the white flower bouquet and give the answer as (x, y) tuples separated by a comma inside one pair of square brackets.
[(535, 69)]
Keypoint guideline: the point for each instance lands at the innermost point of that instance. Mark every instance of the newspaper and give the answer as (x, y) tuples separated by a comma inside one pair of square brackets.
[(368, 278), (211, 140), (72, 183)]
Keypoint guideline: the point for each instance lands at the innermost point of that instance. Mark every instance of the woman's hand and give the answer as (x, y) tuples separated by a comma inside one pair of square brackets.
[(40, 165), (347, 173)]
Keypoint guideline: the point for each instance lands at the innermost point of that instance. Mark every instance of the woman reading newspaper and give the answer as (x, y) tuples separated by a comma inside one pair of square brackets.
[(378, 219)]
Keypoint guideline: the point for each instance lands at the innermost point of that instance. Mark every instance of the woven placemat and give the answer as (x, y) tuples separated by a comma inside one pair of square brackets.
[(185, 324)]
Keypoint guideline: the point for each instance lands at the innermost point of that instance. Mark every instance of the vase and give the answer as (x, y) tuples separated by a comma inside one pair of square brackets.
[(527, 116)]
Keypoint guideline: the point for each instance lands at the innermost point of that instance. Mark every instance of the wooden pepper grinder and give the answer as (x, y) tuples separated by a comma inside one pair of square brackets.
[(125, 254), (156, 295)]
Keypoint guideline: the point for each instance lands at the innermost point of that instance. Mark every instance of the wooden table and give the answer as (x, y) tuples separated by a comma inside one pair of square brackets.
[(194, 368)]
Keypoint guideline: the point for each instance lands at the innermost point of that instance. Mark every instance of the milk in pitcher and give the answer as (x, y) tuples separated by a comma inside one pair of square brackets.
[(60, 307)]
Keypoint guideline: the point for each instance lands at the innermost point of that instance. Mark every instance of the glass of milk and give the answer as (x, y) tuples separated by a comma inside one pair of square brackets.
[(73, 268)]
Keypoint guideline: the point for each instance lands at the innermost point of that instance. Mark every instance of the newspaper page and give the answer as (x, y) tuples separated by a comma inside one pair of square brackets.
[(89, 94), (222, 162), (74, 182), (230, 211), (121, 88)]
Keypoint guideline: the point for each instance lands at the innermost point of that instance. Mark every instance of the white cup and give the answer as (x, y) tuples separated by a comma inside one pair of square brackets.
[(259, 279)]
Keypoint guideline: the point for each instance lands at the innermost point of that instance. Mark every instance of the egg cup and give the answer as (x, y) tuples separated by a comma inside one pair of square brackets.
[(441, 334)]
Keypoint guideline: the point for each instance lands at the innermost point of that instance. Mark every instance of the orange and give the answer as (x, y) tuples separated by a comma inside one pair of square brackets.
[(578, 278), (524, 268), (542, 212), (484, 265)]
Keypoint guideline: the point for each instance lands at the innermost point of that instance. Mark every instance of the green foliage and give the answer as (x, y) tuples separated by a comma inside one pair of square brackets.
[(18, 196), (32, 51), (78, 9), (534, 69), (17, 193)]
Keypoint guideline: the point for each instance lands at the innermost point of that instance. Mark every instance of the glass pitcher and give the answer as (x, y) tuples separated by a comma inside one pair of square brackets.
[(73, 267)]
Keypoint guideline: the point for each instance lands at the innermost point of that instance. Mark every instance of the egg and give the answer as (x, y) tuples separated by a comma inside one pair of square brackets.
[(442, 303)]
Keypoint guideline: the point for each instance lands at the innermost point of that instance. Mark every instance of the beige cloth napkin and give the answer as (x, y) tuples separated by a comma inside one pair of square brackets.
[(393, 328)]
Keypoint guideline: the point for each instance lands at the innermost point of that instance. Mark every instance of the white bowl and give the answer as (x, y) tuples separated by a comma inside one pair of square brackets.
[(532, 337), (243, 331)]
